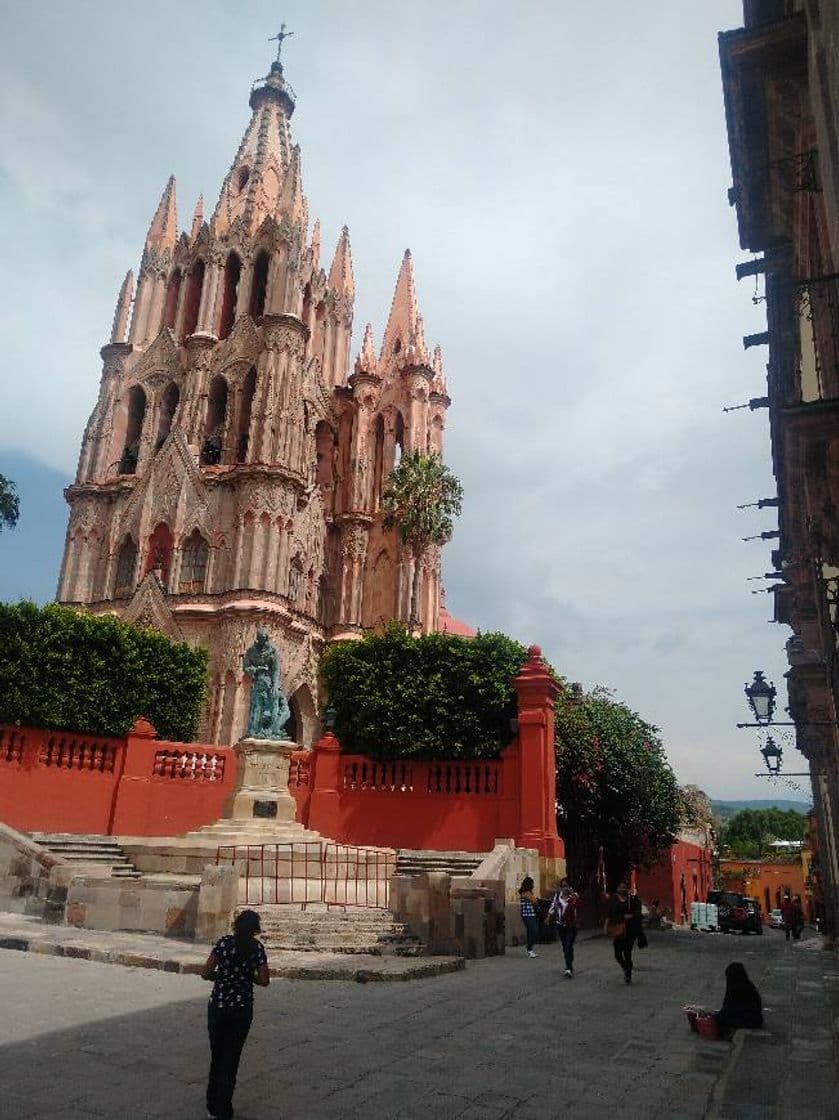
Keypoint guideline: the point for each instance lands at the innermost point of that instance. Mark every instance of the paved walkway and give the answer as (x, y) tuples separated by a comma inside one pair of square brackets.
[(169, 954), (507, 1037)]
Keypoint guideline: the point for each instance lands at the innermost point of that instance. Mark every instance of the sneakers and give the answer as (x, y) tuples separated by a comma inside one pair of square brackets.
[(531, 953), (569, 973)]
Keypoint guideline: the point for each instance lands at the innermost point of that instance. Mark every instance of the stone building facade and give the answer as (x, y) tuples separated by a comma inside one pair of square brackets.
[(780, 76), (231, 472)]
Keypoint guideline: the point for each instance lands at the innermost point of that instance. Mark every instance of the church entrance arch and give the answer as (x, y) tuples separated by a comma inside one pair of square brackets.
[(303, 725)]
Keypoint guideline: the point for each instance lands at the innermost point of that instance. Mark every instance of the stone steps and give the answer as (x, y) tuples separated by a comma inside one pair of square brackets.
[(91, 853), (458, 864), (318, 929)]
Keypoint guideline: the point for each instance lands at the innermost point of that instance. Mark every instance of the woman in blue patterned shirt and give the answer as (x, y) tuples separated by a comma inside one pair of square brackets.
[(237, 962), (527, 904)]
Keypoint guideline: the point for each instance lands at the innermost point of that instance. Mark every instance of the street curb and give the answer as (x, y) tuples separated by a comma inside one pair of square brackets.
[(191, 968)]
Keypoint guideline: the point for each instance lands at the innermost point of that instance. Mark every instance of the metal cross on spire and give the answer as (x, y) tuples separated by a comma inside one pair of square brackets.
[(279, 38)]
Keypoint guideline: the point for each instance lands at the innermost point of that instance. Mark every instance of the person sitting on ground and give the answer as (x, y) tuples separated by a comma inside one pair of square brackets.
[(527, 905), (742, 1006)]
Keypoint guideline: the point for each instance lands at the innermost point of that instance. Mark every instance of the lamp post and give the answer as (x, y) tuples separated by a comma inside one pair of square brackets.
[(772, 755), (761, 696)]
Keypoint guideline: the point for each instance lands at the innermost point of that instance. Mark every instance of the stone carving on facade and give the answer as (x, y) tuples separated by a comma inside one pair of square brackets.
[(282, 337), (148, 607)]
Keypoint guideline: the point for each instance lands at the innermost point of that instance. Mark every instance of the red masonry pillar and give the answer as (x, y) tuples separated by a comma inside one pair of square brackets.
[(536, 691), (132, 791), (324, 806)]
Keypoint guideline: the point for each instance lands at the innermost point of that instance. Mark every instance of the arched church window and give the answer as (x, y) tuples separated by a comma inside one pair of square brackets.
[(307, 303), (126, 567), (211, 449), (246, 409), (232, 272), (173, 290), (295, 578), (259, 285), (398, 439), (134, 430), (192, 301), (168, 406), (196, 554), (159, 553), (378, 458), (242, 179), (324, 452)]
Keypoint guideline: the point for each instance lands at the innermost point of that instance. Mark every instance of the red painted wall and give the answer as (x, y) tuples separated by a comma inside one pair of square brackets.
[(57, 781), (140, 786), (663, 880)]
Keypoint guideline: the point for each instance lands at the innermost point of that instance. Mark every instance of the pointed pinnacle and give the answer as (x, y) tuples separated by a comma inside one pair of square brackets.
[(197, 218), (366, 360), (163, 231), (291, 202), (340, 274), (402, 321), (315, 246), (123, 308)]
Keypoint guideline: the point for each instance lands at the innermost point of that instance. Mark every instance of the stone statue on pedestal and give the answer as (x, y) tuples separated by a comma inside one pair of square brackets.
[(269, 711)]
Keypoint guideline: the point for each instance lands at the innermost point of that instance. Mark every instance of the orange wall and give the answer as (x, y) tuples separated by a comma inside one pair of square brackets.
[(755, 877)]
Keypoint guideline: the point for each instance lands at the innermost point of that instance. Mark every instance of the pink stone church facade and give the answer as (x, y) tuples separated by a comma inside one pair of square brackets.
[(231, 472)]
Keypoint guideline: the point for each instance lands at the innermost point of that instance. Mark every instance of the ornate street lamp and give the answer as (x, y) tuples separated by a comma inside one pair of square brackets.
[(329, 717), (761, 696), (772, 755)]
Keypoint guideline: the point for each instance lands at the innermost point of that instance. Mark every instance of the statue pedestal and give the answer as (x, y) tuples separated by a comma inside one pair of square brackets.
[(261, 793)]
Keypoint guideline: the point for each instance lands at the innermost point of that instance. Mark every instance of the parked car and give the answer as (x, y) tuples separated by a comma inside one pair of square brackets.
[(776, 919), (737, 912)]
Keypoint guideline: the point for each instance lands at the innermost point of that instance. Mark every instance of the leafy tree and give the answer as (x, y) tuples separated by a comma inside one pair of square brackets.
[(60, 668), (749, 833), (421, 499), (615, 788), (695, 808), (9, 503), (437, 696)]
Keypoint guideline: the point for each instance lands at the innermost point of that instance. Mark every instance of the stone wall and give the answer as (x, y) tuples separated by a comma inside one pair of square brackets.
[(153, 906), (451, 915), (30, 876), (508, 865)]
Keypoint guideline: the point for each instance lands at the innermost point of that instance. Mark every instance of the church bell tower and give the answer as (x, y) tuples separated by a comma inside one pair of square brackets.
[(231, 471)]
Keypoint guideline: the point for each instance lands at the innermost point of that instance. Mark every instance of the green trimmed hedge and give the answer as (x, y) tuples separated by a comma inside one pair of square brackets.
[(63, 669), (438, 696)]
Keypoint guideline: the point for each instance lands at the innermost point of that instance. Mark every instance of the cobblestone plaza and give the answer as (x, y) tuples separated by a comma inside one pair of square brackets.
[(507, 1037)]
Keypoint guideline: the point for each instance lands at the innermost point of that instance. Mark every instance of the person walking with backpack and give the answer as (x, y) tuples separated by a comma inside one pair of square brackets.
[(564, 912), (237, 962), (527, 906)]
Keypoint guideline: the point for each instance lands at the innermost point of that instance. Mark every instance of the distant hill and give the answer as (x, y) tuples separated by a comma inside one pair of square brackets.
[(726, 809)]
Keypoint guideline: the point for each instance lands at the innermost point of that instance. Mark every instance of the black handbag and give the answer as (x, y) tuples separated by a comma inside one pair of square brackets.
[(642, 939)]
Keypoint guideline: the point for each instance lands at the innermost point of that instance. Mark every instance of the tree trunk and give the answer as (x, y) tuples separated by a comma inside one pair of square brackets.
[(416, 589)]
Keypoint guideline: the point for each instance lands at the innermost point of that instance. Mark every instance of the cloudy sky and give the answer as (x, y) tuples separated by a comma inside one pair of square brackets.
[(559, 171)]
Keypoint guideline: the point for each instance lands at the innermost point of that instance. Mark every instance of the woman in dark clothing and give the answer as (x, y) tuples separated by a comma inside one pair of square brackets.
[(527, 905), (623, 925), (742, 1006), (237, 962)]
